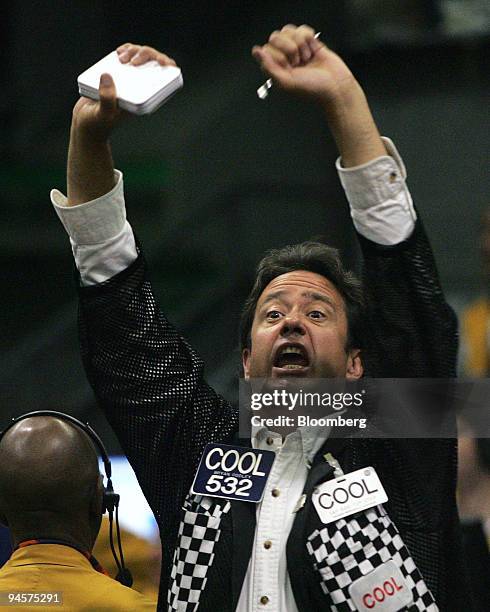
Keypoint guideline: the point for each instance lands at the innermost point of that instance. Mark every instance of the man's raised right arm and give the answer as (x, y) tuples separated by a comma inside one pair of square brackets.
[(146, 377), (93, 212)]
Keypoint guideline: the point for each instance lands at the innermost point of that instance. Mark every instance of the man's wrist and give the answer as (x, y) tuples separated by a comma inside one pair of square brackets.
[(353, 128), (348, 95), (89, 133), (90, 171)]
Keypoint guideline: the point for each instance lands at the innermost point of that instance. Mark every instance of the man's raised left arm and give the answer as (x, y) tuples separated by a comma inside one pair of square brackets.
[(413, 330)]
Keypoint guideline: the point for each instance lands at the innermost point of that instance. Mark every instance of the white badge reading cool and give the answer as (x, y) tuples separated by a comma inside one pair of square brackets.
[(383, 590), (348, 494)]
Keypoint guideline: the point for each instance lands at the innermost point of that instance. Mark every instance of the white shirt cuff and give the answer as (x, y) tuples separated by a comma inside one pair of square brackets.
[(102, 240), (95, 221), (98, 263), (381, 205)]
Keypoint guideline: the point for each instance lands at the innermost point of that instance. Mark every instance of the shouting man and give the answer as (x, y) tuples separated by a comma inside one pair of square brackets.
[(305, 316)]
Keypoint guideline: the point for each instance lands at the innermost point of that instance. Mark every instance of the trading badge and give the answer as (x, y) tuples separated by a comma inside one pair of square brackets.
[(233, 472), (384, 590), (348, 494)]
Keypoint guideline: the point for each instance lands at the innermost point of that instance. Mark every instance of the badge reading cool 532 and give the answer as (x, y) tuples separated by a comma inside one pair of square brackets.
[(233, 472)]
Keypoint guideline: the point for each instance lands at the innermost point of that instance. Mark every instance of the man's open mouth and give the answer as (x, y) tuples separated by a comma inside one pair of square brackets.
[(291, 357)]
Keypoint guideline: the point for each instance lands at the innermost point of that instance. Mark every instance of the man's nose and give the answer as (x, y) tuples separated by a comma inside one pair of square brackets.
[(292, 325)]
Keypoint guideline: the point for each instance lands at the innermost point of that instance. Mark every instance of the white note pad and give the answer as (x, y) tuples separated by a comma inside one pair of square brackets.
[(140, 89)]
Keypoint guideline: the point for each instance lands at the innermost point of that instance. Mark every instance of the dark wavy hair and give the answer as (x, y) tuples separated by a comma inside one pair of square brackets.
[(313, 257)]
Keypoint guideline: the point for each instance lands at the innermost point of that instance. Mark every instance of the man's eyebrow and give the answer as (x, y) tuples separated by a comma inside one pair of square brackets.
[(277, 295), (312, 295)]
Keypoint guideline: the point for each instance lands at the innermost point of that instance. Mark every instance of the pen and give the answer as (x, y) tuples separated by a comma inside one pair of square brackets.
[(263, 90)]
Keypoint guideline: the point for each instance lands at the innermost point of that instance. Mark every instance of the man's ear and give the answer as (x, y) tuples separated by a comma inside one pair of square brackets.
[(96, 501), (95, 510), (354, 368), (246, 363)]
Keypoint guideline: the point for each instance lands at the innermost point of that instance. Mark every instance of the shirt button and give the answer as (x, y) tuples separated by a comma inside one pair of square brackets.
[(267, 544), (393, 176), (275, 492), (270, 440), (264, 600)]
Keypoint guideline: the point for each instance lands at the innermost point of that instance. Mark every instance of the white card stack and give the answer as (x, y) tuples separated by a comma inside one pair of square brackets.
[(140, 89)]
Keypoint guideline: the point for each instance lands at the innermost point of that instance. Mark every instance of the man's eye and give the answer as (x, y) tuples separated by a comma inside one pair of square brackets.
[(273, 314), (316, 314)]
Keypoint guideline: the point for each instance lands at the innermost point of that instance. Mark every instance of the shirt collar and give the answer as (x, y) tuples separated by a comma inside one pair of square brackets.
[(312, 439), (51, 554)]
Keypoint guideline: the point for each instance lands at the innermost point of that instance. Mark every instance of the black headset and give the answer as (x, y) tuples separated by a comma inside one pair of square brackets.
[(110, 499)]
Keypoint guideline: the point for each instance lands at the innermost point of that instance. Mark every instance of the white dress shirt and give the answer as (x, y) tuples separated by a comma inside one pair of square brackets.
[(103, 245), (267, 585)]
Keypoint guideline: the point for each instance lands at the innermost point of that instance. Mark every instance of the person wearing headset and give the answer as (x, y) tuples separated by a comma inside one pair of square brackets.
[(52, 499)]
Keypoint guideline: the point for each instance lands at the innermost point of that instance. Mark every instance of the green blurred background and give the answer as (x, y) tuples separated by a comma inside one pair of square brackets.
[(215, 177)]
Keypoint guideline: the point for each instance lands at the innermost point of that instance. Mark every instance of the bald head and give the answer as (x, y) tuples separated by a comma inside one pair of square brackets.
[(49, 476)]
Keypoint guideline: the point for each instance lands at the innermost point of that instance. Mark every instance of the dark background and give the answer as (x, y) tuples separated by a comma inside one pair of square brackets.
[(216, 176)]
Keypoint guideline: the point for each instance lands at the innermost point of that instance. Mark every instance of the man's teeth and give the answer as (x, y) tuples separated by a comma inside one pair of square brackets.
[(294, 354), (291, 349)]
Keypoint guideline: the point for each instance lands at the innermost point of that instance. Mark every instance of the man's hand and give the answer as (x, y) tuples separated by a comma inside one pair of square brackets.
[(97, 118), (90, 168), (299, 63)]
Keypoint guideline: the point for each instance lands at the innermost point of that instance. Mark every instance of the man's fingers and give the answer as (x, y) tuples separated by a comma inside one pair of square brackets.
[(302, 32), (124, 47), (127, 51), (107, 95), (269, 64), (144, 54), (165, 60), (316, 45), (283, 42), (279, 57), (303, 36), (138, 55)]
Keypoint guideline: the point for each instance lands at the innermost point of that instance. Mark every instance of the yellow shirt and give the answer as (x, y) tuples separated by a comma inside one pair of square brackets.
[(475, 331), (44, 568)]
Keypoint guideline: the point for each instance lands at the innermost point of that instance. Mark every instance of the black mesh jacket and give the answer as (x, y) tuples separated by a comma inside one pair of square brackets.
[(151, 386)]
